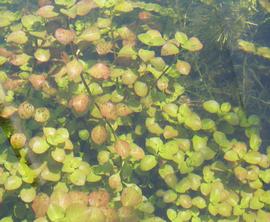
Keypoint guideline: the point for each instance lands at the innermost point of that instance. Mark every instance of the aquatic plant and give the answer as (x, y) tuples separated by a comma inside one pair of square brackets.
[(221, 67), (105, 129), (250, 47)]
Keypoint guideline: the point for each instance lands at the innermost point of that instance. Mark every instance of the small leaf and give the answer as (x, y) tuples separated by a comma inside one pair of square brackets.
[(152, 38), (66, 3), (127, 52), (148, 163), (105, 3), (38, 145), (255, 141), (181, 37), (18, 37), (211, 106), (169, 150), (146, 55), (13, 183), (193, 45), (169, 49), (124, 7), (154, 144), (70, 12), (55, 212), (31, 21)]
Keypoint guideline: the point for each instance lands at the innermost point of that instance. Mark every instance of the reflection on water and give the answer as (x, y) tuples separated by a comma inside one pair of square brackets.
[(134, 110)]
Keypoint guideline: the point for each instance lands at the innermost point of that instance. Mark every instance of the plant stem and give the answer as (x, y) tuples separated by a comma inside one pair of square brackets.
[(96, 105), (202, 79), (244, 82)]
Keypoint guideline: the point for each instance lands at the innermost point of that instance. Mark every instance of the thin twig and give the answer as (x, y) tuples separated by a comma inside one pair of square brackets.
[(261, 100)]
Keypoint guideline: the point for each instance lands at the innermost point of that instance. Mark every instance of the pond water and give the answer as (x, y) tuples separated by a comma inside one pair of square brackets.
[(139, 110)]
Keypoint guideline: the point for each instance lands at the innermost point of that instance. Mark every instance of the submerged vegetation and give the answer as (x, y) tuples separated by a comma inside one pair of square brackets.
[(109, 112)]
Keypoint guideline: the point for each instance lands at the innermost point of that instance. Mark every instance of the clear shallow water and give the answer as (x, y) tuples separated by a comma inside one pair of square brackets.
[(134, 111)]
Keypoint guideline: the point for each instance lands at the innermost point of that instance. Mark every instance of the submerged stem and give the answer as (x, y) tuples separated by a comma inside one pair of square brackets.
[(96, 105), (202, 79), (244, 82)]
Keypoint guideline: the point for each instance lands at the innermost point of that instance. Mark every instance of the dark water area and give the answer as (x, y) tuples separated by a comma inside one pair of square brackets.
[(138, 111)]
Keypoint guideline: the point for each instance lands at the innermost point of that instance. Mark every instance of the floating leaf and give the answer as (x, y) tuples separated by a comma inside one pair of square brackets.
[(28, 194), (20, 59), (154, 144), (18, 37), (3, 60), (183, 67), (193, 45), (231, 155), (146, 55), (158, 63), (246, 46), (171, 109), (70, 12), (183, 185), (90, 35), (124, 6), (64, 36), (265, 175), (31, 21), (58, 155), (221, 139), (255, 141), (55, 212), (13, 183), (140, 88), (7, 17), (49, 175), (148, 163), (131, 196), (169, 196), (28, 175), (224, 209), (232, 118), (47, 11), (105, 3), (199, 202), (199, 143), (170, 132), (127, 52), (264, 52), (77, 212), (78, 178), (193, 122), (211, 106), (38, 145), (92, 177), (152, 38), (181, 37), (253, 157), (18, 140), (184, 201), (66, 3), (169, 49), (84, 7), (42, 55)]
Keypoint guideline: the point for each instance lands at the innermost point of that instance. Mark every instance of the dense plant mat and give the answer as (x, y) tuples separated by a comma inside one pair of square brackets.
[(99, 122)]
